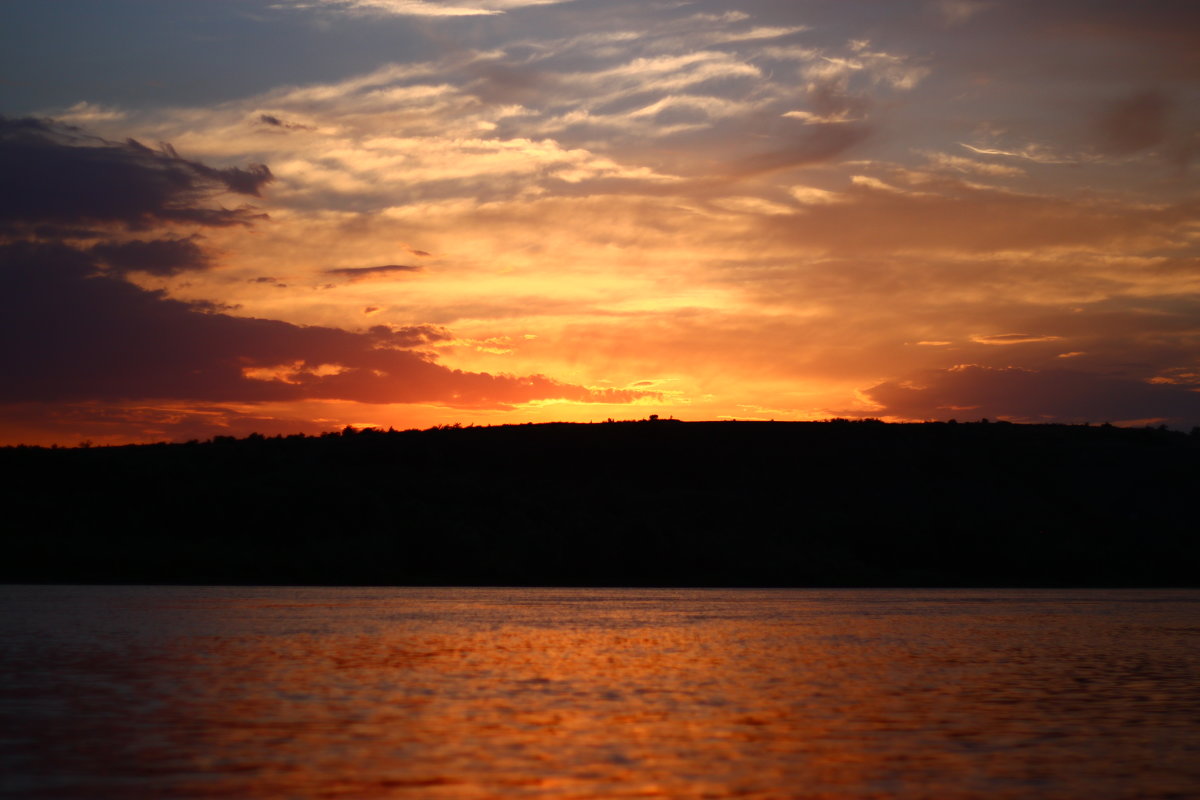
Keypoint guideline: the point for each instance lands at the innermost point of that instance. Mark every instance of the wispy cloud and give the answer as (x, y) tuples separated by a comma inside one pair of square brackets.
[(1012, 338), (422, 8), (382, 272)]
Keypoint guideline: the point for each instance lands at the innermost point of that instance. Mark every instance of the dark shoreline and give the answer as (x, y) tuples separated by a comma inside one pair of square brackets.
[(640, 504)]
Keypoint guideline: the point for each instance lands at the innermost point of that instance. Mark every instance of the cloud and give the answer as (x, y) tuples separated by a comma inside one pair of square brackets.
[(76, 332), (1012, 338), (503, 118), (276, 122), (1166, 22), (677, 192), (957, 12), (945, 161), (408, 336), (425, 8), (1025, 395), (1036, 153), (1135, 122), (157, 256), (121, 423), (55, 173), (944, 214), (825, 142), (90, 113), (73, 335), (810, 195), (355, 274)]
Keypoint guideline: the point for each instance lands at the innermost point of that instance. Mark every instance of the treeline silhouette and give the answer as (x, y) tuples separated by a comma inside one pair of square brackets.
[(655, 502)]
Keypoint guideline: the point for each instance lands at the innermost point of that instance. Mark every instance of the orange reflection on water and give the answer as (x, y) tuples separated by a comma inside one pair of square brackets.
[(588, 694)]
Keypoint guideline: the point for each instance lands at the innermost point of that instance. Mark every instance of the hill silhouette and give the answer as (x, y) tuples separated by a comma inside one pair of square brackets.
[(621, 503)]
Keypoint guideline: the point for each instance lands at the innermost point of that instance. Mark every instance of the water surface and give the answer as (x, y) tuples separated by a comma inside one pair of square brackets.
[(114, 692)]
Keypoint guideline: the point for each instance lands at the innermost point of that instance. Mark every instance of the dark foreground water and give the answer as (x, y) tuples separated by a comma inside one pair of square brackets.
[(144, 692)]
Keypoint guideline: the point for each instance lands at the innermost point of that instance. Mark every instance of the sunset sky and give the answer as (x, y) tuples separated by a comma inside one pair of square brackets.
[(296, 215)]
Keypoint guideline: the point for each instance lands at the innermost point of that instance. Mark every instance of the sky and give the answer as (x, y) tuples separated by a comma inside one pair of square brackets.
[(295, 215)]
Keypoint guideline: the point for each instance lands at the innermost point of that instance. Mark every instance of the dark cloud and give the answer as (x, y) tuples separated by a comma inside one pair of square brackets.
[(72, 335), (370, 273), (276, 122), (971, 392), (823, 143), (407, 336), (157, 256), (501, 83), (1105, 42), (1135, 122), (55, 174), (1171, 23), (242, 181), (830, 99)]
